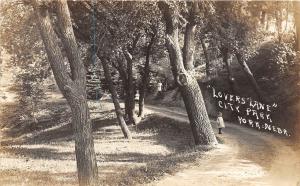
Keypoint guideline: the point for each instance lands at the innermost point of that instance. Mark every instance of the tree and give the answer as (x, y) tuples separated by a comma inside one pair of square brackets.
[(181, 67), (146, 71), (237, 36), (207, 61), (123, 24), (114, 95), (131, 87), (72, 87), (101, 38), (297, 23), (249, 74), (231, 80)]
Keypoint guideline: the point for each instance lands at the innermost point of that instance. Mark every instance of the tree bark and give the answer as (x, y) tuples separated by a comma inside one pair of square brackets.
[(114, 95), (207, 62), (73, 88), (189, 41), (297, 23), (189, 46), (123, 74), (191, 93), (251, 78), (145, 77), (130, 88), (84, 145), (278, 16)]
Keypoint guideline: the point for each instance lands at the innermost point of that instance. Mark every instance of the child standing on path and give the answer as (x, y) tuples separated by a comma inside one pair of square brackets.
[(220, 122)]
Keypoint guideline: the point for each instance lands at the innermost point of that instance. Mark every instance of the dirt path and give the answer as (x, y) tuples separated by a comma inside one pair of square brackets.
[(248, 157)]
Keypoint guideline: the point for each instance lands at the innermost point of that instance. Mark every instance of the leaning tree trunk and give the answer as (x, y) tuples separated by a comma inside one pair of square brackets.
[(297, 23), (196, 110), (191, 93), (73, 88), (114, 96), (124, 76), (230, 76), (250, 76)]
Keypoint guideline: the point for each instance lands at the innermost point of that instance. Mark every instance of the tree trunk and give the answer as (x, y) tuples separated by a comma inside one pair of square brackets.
[(286, 19), (189, 39), (84, 145), (142, 93), (189, 46), (297, 23), (230, 76), (200, 124), (73, 88), (278, 16), (196, 110), (130, 89), (123, 74), (207, 63), (114, 96), (263, 18), (145, 77), (267, 23), (251, 78)]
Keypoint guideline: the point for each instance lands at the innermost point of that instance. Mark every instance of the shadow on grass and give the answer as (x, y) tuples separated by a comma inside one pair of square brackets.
[(39, 153), (58, 113), (59, 133), (18, 177), (128, 157), (175, 135), (154, 169)]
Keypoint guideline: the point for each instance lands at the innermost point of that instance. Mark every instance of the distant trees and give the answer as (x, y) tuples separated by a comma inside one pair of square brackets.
[(31, 88), (237, 35), (297, 23), (19, 38), (72, 86)]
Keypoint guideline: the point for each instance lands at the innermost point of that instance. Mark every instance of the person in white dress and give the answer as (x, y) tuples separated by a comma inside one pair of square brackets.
[(220, 122), (159, 94), (159, 86)]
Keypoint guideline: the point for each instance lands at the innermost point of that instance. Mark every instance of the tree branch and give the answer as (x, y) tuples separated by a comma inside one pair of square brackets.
[(54, 54), (69, 41)]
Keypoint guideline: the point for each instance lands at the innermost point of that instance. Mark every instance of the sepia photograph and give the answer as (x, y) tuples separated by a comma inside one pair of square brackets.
[(149, 93)]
